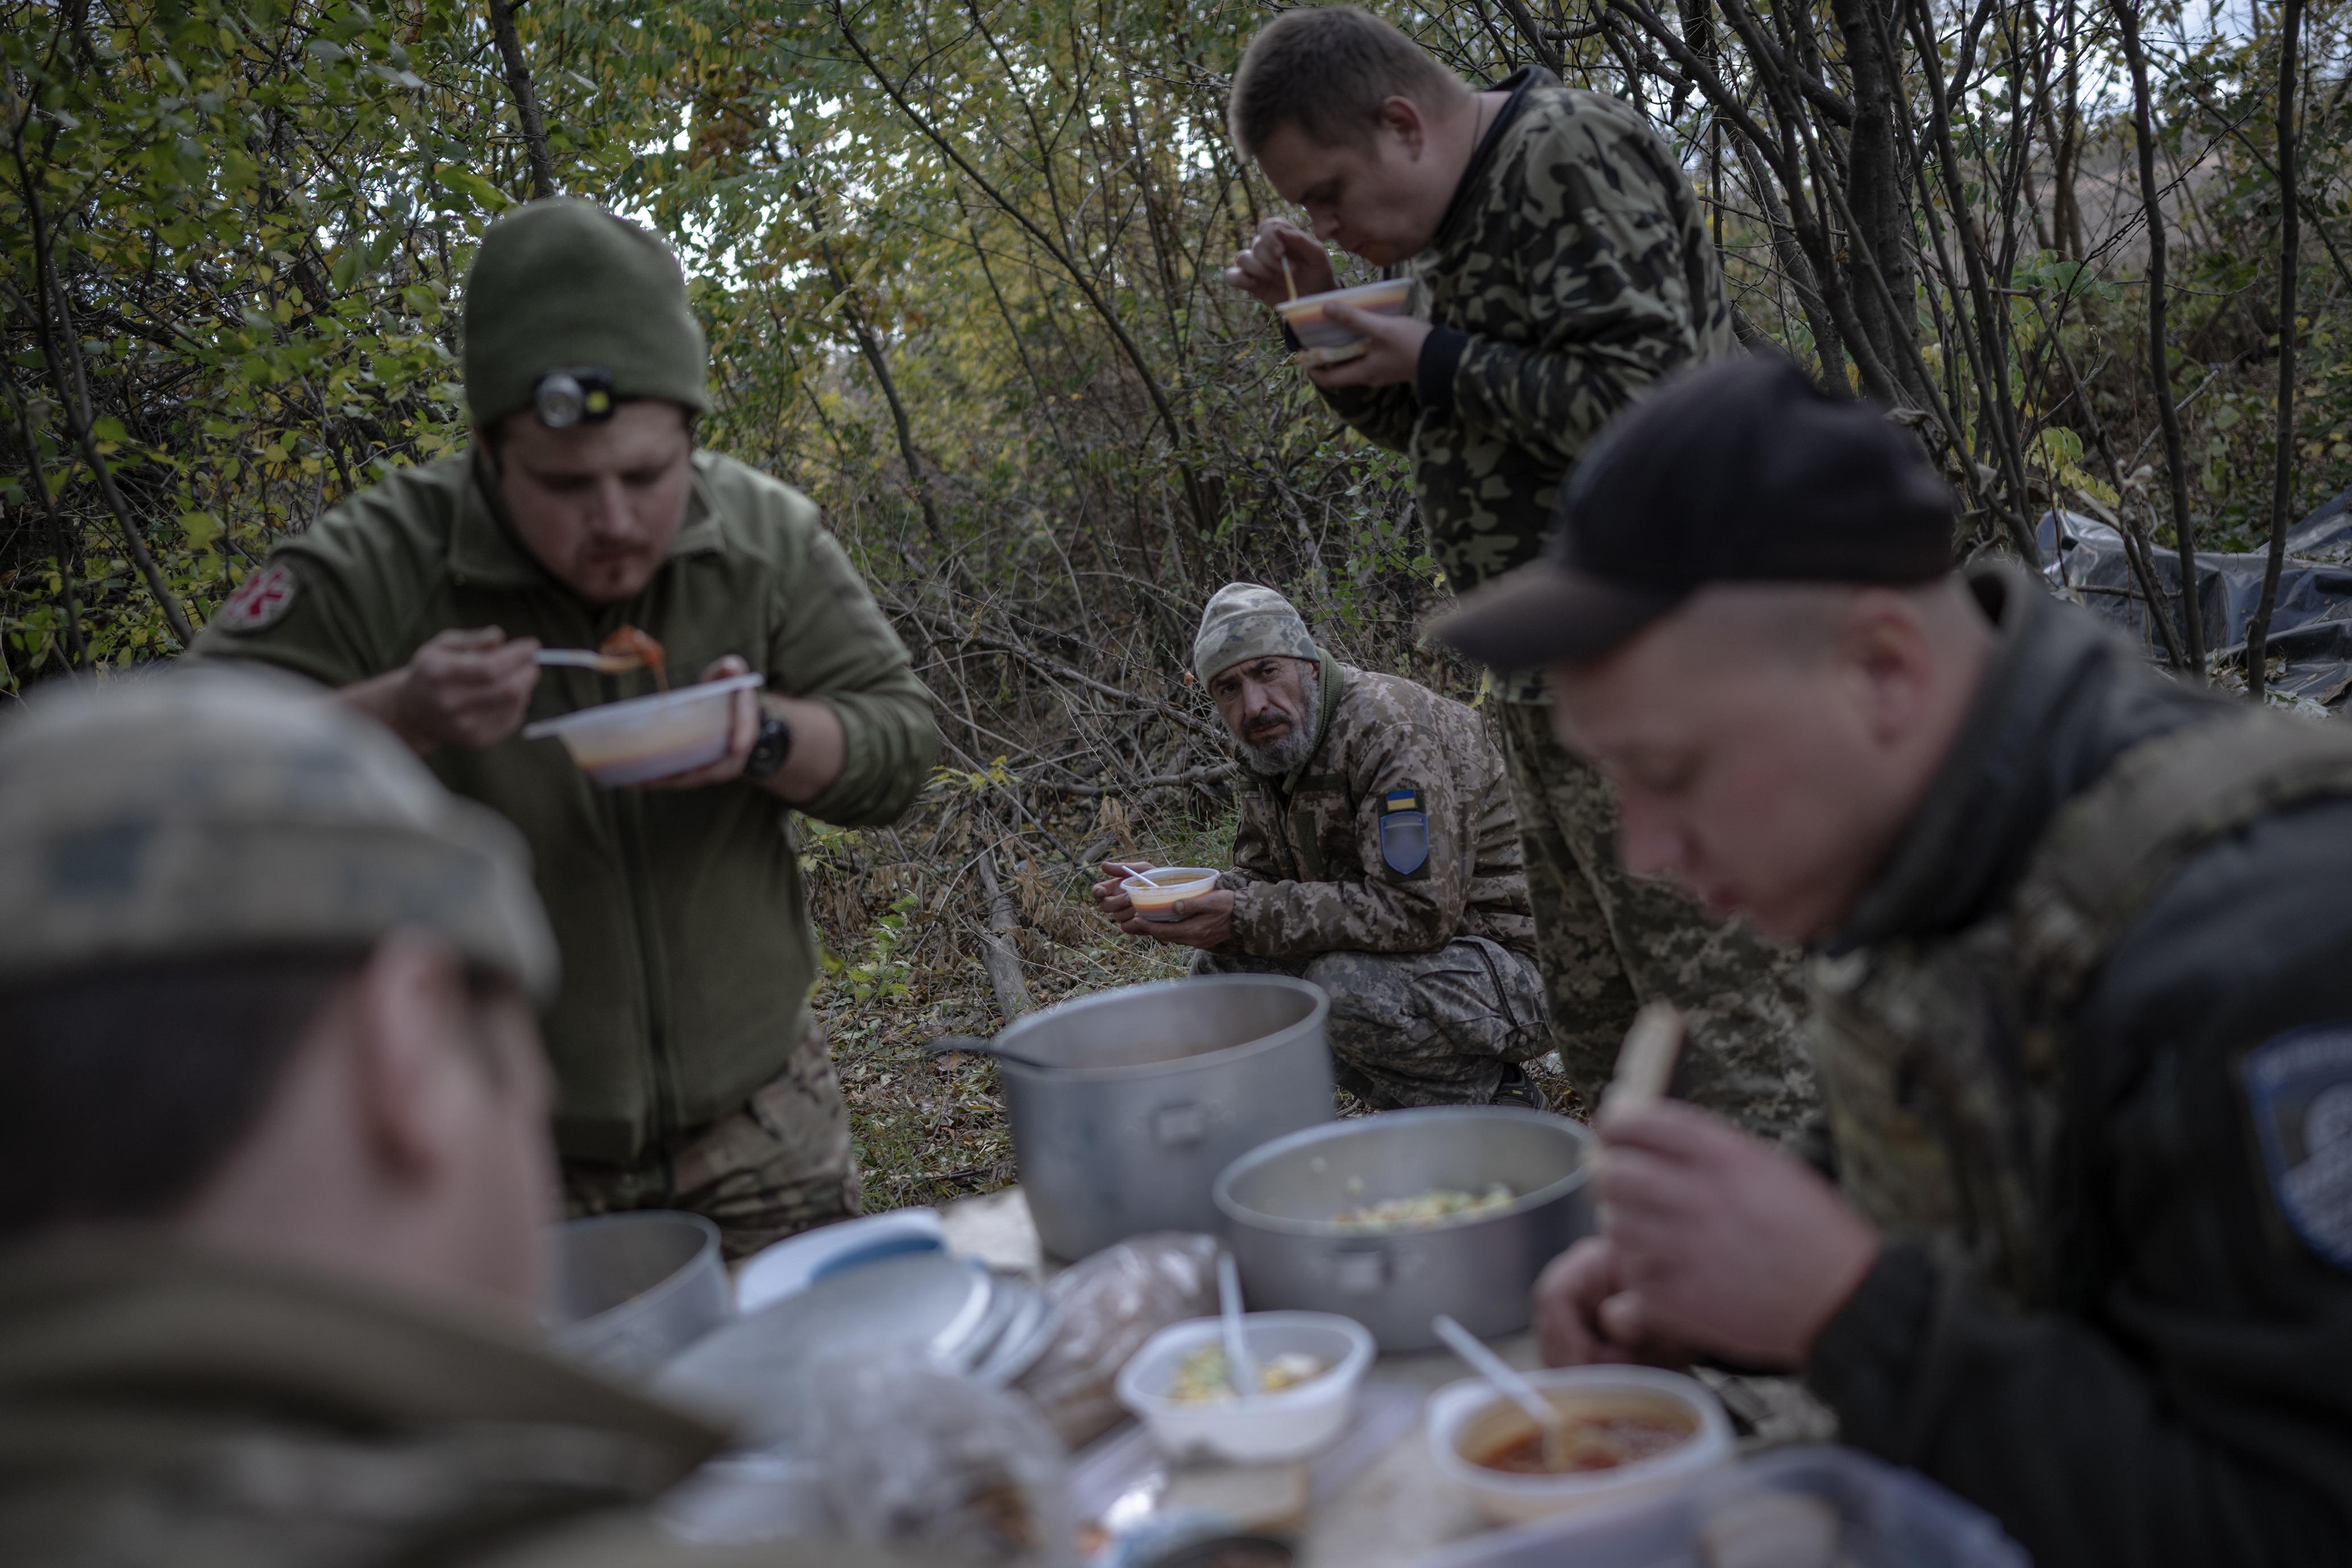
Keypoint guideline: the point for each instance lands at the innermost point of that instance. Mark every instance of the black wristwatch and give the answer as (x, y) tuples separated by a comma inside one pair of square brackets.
[(769, 751)]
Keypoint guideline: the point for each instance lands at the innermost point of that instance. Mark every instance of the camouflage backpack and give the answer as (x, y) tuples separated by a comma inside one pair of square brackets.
[(1941, 1059)]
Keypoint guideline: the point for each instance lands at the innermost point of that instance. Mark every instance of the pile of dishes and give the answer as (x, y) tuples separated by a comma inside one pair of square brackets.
[(991, 1326)]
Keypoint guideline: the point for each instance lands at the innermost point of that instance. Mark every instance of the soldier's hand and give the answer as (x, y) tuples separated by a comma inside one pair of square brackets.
[(1391, 349), (742, 733), (1568, 1298), (1257, 270), (1204, 921), (465, 688), (1720, 1241), (1110, 896)]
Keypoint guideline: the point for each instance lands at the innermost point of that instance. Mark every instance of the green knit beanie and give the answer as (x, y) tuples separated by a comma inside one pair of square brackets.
[(562, 283)]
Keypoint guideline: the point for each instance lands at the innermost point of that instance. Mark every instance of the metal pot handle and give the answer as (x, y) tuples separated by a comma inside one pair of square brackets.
[(1360, 1271)]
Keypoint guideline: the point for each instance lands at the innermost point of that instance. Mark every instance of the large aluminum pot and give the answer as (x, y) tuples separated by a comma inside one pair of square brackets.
[(1149, 1091), (1278, 1203), (628, 1291)]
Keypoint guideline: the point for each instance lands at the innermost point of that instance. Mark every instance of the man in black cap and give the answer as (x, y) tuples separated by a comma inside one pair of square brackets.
[(2082, 1011)]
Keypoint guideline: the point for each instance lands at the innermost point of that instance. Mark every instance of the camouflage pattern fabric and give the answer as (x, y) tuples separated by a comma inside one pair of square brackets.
[(1573, 271), (1941, 1061), (1244, 621), (165, 1408), (1420, 1029), (182, 813), (1331, 858), (1608, 943), (2105, 1307), (780, 1165)]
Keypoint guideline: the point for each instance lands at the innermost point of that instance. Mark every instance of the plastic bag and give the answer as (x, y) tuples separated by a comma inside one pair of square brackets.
[(914, 1457), (1110, 1304)]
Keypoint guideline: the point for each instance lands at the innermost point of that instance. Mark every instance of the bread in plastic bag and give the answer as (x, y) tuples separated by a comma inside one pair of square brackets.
[(1110, 1304), (912, 1457)]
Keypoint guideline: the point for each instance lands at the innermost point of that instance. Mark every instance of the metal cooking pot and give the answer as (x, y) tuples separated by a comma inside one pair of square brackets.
[(631, 1290), (1139, 1097), (1278, 1203)]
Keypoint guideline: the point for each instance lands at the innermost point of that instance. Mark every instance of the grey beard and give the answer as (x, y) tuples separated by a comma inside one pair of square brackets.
[(1278, 757)]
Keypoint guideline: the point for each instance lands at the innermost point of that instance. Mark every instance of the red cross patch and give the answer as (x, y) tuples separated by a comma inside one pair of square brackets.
[(259, 600)]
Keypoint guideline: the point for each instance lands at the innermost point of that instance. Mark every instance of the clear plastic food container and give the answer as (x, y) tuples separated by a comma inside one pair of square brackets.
[(1470, 1417), (1285, 1425), (1307, 319), (1792, 1508), (1156, 892), (648, 738)]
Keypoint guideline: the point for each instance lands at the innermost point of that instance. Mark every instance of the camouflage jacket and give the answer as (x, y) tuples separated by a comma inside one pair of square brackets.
[(2086, 1042), (1396, 835), (164, 1408), (1573, 269)]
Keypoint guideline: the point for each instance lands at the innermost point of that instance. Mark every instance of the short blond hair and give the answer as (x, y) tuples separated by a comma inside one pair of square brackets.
[(1327, 70)]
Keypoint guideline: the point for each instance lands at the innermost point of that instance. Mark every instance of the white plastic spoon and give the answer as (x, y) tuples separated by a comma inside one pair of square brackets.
[(1508, 1382), (1241, 1367)]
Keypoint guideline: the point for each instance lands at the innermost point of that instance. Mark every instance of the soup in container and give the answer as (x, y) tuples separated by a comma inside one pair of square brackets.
[(1156, 893), (1635, 1431)]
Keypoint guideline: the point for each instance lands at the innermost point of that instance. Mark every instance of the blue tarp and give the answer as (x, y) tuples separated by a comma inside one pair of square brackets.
[(2311, 627)]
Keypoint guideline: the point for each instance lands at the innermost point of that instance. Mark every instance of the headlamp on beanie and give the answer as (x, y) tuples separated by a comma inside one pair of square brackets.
[(573, 395)]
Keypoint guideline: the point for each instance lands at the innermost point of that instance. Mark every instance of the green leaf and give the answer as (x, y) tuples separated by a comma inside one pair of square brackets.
[(2060, 447)]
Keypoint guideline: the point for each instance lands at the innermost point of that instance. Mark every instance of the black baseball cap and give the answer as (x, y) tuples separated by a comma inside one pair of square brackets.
[(1741, 470)]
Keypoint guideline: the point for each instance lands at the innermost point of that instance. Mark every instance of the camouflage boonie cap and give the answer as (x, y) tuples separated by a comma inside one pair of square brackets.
[(208, 810), (1245, 621)]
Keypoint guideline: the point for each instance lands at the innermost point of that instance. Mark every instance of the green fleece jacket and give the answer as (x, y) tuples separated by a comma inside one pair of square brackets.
[(687, 947)]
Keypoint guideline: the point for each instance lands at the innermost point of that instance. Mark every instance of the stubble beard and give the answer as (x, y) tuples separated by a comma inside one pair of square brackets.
[(1276, 758)]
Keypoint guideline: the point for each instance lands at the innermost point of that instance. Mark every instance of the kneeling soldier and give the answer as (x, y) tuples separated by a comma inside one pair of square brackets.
[(1377, 856)]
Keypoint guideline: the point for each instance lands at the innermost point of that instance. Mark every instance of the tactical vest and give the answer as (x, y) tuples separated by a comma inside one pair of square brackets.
[(1942, 1059)]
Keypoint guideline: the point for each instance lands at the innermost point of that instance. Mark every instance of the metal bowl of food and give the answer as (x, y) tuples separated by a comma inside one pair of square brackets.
[(1392, 1219), (631, 1290)]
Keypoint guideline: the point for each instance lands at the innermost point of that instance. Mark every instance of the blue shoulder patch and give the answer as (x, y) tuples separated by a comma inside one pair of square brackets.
[(1404, 841), (2299, 1086)]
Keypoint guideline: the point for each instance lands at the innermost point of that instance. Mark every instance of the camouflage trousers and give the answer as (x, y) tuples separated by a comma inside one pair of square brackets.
[(1419, 1029), (779, 1166), (1609, 942)]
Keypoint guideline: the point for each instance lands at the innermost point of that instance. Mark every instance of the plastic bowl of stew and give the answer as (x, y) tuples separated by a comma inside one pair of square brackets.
[(648, 738), (1661, 1429), (1308, 318), (1156, 893)]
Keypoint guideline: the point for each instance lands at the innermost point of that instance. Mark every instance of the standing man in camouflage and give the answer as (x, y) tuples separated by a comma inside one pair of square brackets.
[(1563, 267), (689, 1073), (1376, 856), (274, 1161), (2081, 1008)]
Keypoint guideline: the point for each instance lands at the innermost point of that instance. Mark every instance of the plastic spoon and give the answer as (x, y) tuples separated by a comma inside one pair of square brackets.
[(1504, 1380), (1241, 1367)]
